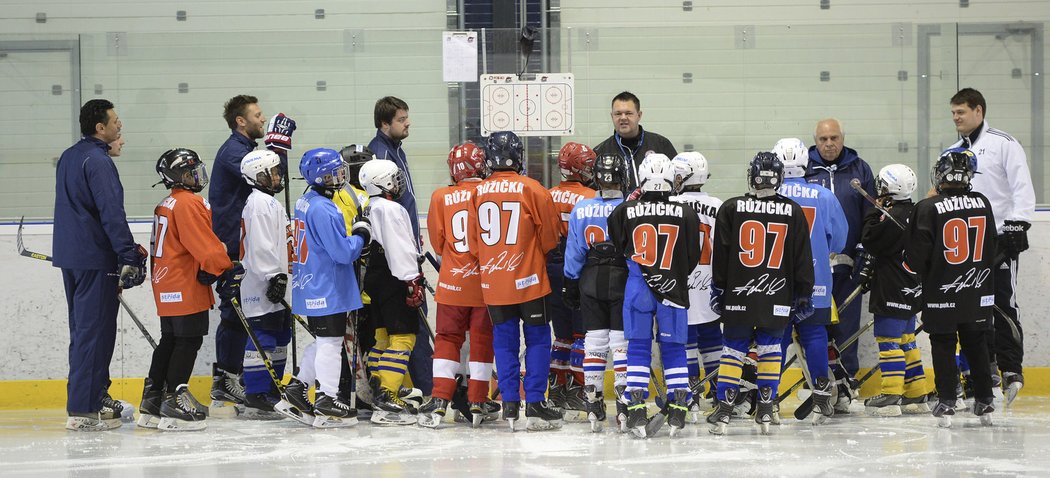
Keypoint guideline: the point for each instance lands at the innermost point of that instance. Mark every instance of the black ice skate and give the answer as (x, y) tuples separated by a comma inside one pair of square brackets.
[(884, 405), (677, 410), (822, 401), (227, 392), (431, 413), (595, 408), (481, 412), (180, 411), (331, 412), (260, 406), (983, 408), (125, 410), (555, 391), (944, 411), (764, 409), (389, 409), (149, 407), (542, 416), (412, 399), (1012, 384), (296, 404), (510, 412), (638, 420), (575, 401), (719, 419), (93, 422), (621, 408), (917, 405)]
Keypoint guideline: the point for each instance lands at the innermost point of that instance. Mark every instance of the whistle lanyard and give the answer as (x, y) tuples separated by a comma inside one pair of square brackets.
[(628, 155)]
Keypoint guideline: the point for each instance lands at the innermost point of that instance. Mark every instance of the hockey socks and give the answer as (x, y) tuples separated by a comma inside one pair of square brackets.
[(892, 363), (731, 366), (576, 358), (596, 345), (676, 373), (692, 351), (709, 340), (561, 353), (639, 356), (914, 374), (393, 364), (770, 358), (506, 345), (377, 351)]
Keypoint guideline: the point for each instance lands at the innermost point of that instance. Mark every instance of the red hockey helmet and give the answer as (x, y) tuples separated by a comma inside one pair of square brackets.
[(576, 162), (467, 161)]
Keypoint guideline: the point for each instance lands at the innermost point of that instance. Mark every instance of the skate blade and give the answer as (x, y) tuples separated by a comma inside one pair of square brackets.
[(890, 411), (175, 425), (148, 421), (916, 409), (380, 417), (511, 422), (86, 424), (718, 429), (818, 419), (944, 421), (676, 431), (534, 424), (764, 429), (261, 415), (127, 412), (1011, 393), (597, 426), (221, 409), (476, 419), (324, 421), (986, 420), (293, 412), (428, 420)]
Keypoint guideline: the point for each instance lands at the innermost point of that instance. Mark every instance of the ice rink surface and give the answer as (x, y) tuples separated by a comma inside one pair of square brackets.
[(34, 443)]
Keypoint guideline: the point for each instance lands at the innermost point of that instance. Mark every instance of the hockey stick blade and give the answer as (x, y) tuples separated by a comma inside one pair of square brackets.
[(22, 248)]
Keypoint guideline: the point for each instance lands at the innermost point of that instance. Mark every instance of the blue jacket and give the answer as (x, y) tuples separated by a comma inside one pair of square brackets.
[(386, 148), (323, 277), (836, 177), (91, 227), (589, 216), (827, 231), (227, 191)]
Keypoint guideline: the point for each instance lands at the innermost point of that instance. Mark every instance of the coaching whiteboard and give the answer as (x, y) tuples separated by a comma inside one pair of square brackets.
[(539, 107)]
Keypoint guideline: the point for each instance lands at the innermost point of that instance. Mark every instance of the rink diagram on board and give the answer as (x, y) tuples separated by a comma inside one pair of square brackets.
[(34, 443)]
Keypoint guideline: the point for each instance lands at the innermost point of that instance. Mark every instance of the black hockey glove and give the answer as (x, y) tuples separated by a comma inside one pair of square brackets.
[(132, 275), (229, 284), (717, 301), (863, 267), (802, 308), (278, 286), (1015, 237), (206, 278), (570, 293)]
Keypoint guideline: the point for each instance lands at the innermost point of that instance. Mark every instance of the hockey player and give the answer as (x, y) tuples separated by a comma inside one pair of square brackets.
[(705, 333), (951, 244), (512, 224), (394, 283), (575, 161), (661, 239), (264, 255), (187, 258), (827, 235), (595, 278), (762, 278), (460, 307), (325, 288), (895, 297)]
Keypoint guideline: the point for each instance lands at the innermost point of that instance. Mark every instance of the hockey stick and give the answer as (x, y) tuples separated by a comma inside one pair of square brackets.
[(855, 183), (44, 257), (876, 367), (283, 407), (845, 345), (433, 261)]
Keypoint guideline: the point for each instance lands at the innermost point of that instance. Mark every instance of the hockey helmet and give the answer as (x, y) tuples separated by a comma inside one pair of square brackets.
[(609, 170), (182, 168), (382, 177), (896, 181), (576, 161), (793, 155), (765, 172), (323, 168), (656, 174), (355, 155), (467, 161), (690, 169), (505, 152), (262, 170), (954, 169)]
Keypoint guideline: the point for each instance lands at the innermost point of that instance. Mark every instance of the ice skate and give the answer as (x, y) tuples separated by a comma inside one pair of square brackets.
[(595, 409), (331, 412), (638, 420), (677, 410), (296, 404), (260, 406), (621, 409), (556, 391), (391, 410), (93, 422), (1012, 384), (180, 411), (764, 409), (121, 407), (575, 402), (916, 405), (412, 398), (822, 401), (719, 418), (699, 403), (944, 411), (227, 393), (543, 416), (510, 412), (431, 413), (149, 408), (984, 409), (884, 405), (481, 412)]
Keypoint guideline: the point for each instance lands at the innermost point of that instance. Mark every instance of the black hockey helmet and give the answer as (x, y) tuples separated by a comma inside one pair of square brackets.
[(355, 156), (504, 151), (766, 171), (608, 170), (954, 169), (183, 168)]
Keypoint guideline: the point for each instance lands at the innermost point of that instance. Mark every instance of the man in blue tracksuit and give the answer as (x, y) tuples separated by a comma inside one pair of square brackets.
[(833, 166), (392, 123), (98, 256)]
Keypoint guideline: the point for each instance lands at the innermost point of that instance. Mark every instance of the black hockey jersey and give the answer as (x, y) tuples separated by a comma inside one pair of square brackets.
[(951, 245), (663, 239), (762, 259), (895, 289)]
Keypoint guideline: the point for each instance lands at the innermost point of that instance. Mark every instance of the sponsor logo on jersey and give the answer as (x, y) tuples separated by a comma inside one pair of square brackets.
[(987, 300), (527, 281), (168, 297), (501, 186), (781, 310), (654, 209), (820, 290), (897, 305), (763, 207), (797, 190), (941, 305), (456, 197), (957, 203), (736, 308), (316, 303)]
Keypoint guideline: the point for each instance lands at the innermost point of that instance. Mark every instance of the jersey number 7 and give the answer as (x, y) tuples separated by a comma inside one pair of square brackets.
[(753, 245)]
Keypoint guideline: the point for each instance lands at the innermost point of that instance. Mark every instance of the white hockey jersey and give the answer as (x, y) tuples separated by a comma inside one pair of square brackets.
[(706, 207), (264, 251), (392, 229), (1002, 175)]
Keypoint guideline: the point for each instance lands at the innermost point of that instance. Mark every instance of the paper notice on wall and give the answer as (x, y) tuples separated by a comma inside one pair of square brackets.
[(460, 56)]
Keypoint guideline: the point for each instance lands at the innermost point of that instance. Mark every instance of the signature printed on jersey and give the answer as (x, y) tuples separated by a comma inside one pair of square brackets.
[(970, 279), (762, 286), (914, 292), (699, 281), (660, 285), (301, 283), (503, 263), (158, 275), (466, 271)]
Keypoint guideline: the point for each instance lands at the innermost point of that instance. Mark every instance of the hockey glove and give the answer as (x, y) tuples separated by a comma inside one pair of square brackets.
[(363, 229), (229, 284), (570, 293), (132, 275), (863, 268), (1015, 237), (279, 132), (802, 308), (278, 285), (414, 295), (716, 299), (206, 278)]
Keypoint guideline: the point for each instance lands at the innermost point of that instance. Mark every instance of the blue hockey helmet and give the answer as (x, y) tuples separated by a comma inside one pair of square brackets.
[(323, 168), (505, 152)]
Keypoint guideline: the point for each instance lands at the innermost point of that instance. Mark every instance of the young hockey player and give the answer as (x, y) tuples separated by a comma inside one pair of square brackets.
[(460, 307), (325, 288), (264, 255), (187, 258), (762, 279), (951, 243), (575, 161), (827, 234), (895, 297), (595, 278), (394, 283), (661, 239), (512, 224), (705, 333)]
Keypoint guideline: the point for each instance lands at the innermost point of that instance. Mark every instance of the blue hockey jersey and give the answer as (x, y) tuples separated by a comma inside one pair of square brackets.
[(827, 231), (588, 224), (323, 278)]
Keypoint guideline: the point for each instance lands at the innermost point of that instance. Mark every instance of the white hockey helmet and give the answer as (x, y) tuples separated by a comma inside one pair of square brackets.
[(793, 153), (690, 169), (897, 181), (262, 169), (382, 177), (656, 174)]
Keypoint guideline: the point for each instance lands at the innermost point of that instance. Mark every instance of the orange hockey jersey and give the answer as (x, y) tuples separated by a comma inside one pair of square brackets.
[(459, 282), (512, 224), (182, 243), (565, 196)]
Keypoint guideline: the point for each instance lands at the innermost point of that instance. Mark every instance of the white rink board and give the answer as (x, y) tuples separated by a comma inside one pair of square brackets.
[(540, 107)]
